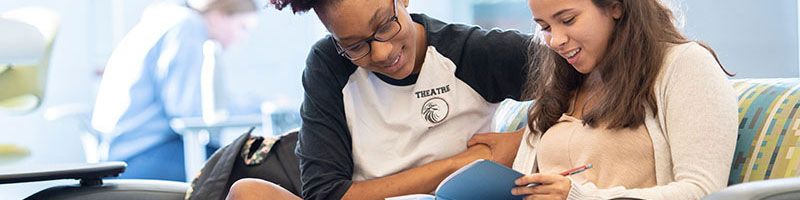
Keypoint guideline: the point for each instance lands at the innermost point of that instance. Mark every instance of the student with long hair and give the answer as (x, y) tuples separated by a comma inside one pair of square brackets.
[(622, 89)]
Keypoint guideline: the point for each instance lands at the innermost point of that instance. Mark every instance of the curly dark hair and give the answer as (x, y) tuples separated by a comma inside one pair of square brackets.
[(301, 5)]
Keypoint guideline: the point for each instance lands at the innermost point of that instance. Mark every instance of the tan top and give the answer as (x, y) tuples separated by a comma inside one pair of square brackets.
[(619, 157), (693, 132)]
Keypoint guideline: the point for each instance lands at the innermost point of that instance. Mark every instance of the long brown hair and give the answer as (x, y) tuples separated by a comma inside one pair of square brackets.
[(628, 70)]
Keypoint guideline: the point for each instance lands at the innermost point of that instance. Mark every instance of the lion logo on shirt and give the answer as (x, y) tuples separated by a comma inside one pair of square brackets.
[(435, 110)]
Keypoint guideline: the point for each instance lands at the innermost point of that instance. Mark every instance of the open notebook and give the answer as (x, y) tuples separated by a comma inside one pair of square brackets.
[(481, 179)]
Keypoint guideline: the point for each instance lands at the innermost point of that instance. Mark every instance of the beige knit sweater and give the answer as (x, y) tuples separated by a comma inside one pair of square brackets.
[(693, 133)]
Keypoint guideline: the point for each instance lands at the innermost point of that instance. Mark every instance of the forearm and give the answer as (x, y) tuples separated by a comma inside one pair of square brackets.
[(419, 180), (676, 190)]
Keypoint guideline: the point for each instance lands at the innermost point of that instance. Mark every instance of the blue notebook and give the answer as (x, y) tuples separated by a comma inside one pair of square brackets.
[(481, 179)]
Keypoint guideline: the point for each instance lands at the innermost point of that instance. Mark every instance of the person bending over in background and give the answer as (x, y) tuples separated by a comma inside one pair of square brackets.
[(154, 76)]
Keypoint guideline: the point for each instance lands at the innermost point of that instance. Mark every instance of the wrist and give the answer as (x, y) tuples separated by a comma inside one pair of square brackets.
[(480, 151), (454, 163), (463, 158)]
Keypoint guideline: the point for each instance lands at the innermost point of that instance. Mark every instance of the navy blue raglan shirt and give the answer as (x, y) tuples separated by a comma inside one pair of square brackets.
[(359, 125)]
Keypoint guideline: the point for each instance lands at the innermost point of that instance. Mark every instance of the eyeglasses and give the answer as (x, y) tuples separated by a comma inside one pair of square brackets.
[(385, 32)]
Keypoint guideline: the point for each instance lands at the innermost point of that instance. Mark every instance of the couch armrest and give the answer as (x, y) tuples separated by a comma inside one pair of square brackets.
[(92, 186), (776, 189), (119, 189), (89, 174)]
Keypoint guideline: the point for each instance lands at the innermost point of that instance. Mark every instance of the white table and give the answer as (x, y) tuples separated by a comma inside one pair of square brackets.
[(196, 134)]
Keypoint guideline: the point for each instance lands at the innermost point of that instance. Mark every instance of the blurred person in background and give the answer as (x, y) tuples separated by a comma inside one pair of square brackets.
[(154, 75)]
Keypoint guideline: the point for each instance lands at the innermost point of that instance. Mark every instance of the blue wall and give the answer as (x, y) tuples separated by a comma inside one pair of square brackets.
[(755, 39)]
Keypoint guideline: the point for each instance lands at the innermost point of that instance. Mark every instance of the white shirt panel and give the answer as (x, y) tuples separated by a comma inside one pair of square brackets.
[(392, 133)]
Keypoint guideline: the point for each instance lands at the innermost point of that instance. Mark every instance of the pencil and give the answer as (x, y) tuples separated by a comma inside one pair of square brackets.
[(567, 173)]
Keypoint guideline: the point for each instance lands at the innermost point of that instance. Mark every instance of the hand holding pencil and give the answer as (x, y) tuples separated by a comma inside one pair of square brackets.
[(567, 173), (540, 185)]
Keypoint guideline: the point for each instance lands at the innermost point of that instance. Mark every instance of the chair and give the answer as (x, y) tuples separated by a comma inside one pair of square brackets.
[(767, 156), (23, 72), (766, 162), (23, 66), (27, 40)]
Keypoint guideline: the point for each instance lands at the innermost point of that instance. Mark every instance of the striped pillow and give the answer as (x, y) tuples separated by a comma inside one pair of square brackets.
[(511, 115), (768, 146)]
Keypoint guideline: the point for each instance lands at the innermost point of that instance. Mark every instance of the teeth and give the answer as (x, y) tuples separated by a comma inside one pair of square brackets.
[(572, 53), (396, 60)]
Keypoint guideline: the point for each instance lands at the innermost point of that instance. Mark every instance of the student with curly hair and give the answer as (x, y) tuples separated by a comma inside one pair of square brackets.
[(391, 99)]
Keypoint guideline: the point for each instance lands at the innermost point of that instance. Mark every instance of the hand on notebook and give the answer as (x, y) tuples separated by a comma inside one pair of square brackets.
[(502, 145), (550, 186)]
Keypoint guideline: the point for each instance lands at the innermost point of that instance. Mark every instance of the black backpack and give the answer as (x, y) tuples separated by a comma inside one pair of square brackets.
[(249, 156)]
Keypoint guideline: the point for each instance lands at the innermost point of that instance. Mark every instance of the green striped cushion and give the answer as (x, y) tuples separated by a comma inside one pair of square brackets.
[(511, 115), (767, 146)]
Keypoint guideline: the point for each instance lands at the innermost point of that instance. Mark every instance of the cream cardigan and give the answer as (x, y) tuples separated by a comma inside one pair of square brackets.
[(693, 134)]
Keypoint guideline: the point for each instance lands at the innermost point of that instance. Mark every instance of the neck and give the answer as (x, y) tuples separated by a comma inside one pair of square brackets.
[(592, 81), (422, 46)]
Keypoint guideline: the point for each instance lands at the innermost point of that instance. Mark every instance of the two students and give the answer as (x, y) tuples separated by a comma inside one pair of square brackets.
[(388, 94)]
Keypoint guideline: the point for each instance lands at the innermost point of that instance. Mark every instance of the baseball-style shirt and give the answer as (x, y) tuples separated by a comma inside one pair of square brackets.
[(361, 125)]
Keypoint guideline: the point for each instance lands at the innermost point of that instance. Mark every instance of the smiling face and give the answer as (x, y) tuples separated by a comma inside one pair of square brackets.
[(577, 30), (353, 21)]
